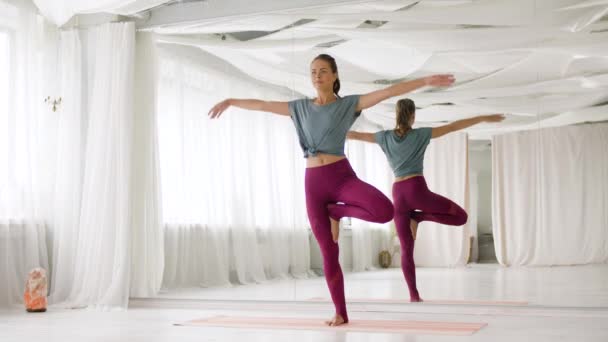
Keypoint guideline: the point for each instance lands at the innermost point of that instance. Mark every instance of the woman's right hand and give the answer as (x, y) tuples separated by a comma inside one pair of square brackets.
[(445, 80), (218, 109), (494, 118)]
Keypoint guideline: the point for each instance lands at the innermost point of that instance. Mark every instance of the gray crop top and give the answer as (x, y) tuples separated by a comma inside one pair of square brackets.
[(405, 154), (322, 129)]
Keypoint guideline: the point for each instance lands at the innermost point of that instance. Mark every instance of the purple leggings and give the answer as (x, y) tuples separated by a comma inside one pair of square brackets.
[(414, 200), (325, 186)]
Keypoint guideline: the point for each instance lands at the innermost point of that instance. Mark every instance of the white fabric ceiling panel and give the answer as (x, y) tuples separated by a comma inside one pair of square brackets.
[(60, 11), (538, 61)]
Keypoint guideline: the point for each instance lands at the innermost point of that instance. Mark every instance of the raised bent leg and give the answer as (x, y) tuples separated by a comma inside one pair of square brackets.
[(362, 201), (436, 208)]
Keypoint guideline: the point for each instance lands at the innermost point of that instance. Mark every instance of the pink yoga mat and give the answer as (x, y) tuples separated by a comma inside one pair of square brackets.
[(432, 301), (359, 325)]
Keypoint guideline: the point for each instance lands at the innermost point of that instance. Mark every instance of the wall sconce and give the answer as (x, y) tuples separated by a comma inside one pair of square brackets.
[(54, 102)]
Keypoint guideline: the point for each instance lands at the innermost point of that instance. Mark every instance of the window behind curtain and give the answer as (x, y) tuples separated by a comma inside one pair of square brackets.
[(5, 95)]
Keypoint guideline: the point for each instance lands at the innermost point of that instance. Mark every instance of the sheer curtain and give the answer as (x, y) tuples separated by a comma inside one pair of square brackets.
[(232, 189), (550, 196), (147, 246), (107, 237), (103, 242), (106, 226), (70, 188), (369, 238), (68, 170), (473, 211), (27, 70), (446, 173)]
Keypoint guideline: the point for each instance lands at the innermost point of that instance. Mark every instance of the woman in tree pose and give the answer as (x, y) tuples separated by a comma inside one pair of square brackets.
[(404, 148), (332, 188)]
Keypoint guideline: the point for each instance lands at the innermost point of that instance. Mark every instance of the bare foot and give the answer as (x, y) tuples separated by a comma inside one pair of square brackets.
[(334, 322), (414, 228), (335, 229)]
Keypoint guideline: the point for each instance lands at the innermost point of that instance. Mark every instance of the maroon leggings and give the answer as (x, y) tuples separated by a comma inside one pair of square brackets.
[(326, 186), (413, 200)]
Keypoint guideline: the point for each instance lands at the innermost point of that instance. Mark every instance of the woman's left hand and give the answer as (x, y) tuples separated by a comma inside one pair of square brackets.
[(218, 109)]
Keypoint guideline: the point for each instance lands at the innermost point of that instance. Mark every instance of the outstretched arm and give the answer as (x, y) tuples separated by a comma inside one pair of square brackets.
[(462, 124), (375, 97), (367, 137), (280, 108)]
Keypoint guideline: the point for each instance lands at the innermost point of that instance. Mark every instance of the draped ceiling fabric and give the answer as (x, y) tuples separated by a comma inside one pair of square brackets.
[(542, 62), (60, 11)]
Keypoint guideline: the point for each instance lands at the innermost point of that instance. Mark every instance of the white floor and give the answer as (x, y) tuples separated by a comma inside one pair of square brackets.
[(155, 325), (566, 304), (575, 286)]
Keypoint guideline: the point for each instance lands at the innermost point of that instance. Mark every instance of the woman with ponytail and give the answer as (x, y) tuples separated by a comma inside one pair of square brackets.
[(332, 188), (404, 148)]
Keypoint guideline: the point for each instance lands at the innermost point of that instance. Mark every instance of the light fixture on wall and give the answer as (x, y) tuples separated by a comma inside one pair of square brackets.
[(54, 102)]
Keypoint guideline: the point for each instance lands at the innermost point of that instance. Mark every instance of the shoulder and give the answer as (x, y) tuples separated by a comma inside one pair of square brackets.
[(297, 106), (300, 101), (351, 102), (351, 98), (380, 136), (423, 132)]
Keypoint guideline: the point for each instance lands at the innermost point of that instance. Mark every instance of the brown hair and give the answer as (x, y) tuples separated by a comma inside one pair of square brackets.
[(405, 111)]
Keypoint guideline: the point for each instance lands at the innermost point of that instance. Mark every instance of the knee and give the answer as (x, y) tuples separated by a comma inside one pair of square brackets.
[(459, 214), (329, 252), (386, 213), (464, 217), (383, 210)]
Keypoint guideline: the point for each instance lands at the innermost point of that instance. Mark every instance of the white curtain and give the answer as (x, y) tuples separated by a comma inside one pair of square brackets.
[(446, 173), (107, 188), (68, 171), (117, 181), (22, 248), (232, 189), (69, 187), (369, 238), (473, 212), (550, 196), (102, 259), (196, 255), (147, 247), (27, 75)]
